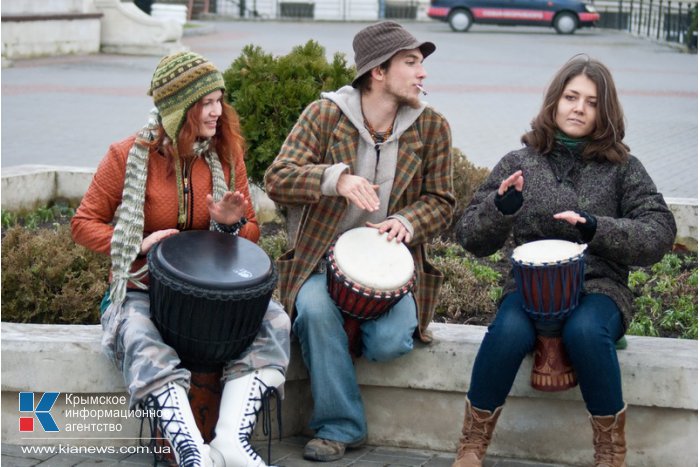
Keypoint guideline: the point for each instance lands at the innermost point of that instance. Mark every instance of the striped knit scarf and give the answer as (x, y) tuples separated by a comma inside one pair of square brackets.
[(128, 229)]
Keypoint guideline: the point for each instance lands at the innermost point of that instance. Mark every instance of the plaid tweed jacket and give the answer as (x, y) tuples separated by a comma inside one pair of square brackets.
[(422, 193)]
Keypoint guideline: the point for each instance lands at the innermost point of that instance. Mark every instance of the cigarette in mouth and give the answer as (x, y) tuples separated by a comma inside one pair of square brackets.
[(421, 89)]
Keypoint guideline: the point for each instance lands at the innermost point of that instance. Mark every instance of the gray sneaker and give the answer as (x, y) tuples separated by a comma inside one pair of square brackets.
[(326, 450)]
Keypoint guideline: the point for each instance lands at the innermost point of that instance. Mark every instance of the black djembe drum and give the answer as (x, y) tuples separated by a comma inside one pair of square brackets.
[(209, 293)]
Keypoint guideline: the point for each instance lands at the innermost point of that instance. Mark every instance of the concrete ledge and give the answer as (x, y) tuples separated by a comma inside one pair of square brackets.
[(26, 187), (32, 28), (416, 401), (45, 35), (68, 359)]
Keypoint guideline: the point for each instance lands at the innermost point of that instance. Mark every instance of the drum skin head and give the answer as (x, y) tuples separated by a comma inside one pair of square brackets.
[(368, 258), (212, 260), (543, 252)]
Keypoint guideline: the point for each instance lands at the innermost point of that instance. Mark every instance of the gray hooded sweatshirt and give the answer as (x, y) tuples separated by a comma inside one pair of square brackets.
[(375, 162)]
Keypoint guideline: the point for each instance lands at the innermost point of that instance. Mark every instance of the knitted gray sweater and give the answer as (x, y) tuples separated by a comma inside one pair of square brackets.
[(635, 227)]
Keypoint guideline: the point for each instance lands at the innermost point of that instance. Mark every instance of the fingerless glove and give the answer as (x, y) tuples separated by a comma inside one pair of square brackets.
[(588, 228), (510, 201)]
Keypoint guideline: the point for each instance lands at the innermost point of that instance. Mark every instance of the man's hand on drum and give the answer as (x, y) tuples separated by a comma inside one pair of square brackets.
[(359, 191), (148, 242), (395, 229), (516, 181), (229, 209), (571, 217)]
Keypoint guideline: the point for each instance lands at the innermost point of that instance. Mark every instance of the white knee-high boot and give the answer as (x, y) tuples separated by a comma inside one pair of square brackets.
[(176, 422), (241, 401)]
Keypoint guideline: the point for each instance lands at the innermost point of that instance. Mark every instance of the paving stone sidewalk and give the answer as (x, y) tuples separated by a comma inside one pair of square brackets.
[(285, 453)]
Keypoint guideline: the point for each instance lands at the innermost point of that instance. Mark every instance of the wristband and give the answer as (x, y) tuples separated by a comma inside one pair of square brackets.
[(233, 229)]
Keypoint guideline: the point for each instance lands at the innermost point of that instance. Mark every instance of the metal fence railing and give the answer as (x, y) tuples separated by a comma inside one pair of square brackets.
[(666, 20)]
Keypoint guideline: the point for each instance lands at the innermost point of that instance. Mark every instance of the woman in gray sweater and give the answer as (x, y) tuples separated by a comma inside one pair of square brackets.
[(574, 180)]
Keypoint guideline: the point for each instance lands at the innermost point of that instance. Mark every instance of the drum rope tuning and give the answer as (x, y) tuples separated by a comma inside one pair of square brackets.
[(366, 288), (549, 276), (200, 292)]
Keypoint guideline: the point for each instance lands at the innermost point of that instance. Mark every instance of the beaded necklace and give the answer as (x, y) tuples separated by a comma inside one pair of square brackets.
[(378, 136)]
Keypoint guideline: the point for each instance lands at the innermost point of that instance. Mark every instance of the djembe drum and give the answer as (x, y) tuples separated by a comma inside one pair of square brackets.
[(209, 292), (549, 276), (367, 275)]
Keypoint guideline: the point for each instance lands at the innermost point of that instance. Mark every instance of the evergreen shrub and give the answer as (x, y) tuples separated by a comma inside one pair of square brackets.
[(48, 279), (269, 93), (467, 178)]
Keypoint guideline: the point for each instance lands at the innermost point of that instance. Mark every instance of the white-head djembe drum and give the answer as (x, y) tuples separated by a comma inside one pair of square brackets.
[(549, 276), (367, 275)]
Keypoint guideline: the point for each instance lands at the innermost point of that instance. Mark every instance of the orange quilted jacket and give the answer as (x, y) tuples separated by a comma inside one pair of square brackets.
[(92, 224)]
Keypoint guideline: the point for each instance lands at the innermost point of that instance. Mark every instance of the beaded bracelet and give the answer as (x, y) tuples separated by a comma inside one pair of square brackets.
[(232, 229)]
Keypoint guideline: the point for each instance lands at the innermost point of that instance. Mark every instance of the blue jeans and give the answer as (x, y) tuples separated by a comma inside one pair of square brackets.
[(338, 413), (589, 335)]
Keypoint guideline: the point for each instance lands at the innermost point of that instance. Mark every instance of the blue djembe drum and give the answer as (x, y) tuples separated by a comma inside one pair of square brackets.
[(549, 276)]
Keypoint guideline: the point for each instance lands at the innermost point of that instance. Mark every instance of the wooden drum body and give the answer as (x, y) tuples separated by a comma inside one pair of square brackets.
[(549, 276), (209, 292)]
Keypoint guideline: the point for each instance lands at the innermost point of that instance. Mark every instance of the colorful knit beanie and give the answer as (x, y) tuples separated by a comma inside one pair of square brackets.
[(180, 80)]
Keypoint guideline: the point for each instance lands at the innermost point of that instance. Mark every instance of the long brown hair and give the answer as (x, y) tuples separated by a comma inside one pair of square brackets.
[(605, 141), (228, 140)]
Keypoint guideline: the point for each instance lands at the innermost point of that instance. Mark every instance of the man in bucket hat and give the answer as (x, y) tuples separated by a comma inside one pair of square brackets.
[(371, 154)]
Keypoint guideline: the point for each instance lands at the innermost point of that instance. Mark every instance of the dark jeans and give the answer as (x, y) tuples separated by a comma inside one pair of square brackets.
[(589, 335)]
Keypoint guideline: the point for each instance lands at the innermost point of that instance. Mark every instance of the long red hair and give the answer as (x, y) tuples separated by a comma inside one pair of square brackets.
[(228, 140)]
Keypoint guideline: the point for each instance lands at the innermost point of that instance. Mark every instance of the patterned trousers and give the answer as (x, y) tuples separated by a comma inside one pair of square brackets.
[(147, 363)]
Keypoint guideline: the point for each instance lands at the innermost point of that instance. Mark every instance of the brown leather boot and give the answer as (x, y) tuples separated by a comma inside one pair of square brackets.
[(476, 435), (609, 439)]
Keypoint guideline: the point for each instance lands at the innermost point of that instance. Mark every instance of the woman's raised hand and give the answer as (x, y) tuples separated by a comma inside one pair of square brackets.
[(516, 180), (229, 209)]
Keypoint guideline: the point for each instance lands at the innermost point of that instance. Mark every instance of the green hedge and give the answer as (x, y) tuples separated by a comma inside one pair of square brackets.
[(269, 93)]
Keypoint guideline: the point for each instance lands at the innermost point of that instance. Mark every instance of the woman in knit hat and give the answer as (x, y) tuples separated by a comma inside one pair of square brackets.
[(183, 170)]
